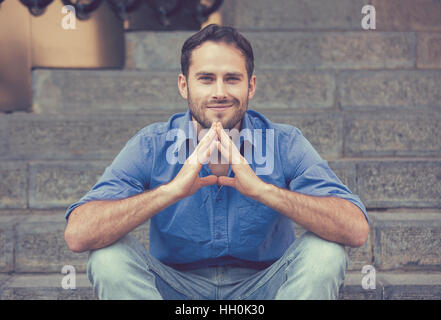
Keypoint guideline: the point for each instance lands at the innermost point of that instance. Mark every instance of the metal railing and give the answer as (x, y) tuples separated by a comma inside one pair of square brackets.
[(164, 9)]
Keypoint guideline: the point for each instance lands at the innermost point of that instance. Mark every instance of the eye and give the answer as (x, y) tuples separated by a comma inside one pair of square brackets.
[(233, 79), (206, 78)]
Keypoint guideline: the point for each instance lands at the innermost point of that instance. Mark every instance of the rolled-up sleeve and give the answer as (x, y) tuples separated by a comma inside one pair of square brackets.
[(127, 175), (312, 175)]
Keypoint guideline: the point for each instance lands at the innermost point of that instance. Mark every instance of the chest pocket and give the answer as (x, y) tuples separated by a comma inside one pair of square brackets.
[(256, 223), (188, 222)]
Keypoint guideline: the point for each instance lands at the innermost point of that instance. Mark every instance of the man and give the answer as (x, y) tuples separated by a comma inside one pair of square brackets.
[(221, 213)]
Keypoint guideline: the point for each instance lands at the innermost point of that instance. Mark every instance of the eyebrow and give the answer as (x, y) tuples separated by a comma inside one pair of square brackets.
[(204, 73)]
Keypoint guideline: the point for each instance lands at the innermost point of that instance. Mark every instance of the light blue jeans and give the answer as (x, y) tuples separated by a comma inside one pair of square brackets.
[(311, 268)]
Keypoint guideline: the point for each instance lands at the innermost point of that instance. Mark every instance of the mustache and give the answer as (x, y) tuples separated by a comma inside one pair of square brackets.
[(224, 101)]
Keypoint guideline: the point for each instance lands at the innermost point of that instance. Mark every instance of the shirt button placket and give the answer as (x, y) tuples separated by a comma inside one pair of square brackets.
[(220, 217)]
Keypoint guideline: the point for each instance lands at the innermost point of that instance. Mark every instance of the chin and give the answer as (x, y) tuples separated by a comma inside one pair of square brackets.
[(227, 121)]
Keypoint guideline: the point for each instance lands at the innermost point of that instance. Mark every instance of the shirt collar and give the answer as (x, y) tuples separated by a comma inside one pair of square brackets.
[(246, 128)]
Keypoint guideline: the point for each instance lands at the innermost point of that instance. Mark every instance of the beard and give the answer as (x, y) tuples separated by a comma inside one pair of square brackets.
[(199, 112)]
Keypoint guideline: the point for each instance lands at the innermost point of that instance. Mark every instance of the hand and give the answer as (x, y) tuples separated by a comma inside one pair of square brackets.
[(245, 180), (187, 181)]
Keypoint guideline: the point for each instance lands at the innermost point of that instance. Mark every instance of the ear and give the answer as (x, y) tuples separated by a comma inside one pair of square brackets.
[(252, 87), (182, 86)]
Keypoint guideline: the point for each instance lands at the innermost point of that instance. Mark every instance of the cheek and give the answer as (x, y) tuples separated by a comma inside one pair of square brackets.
[(240, 93), (199, 95)]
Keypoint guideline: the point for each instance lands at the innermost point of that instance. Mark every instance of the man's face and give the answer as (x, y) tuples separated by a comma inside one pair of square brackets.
[(217, 87)]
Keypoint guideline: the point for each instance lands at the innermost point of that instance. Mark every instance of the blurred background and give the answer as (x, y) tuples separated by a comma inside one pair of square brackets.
[(74, 87)]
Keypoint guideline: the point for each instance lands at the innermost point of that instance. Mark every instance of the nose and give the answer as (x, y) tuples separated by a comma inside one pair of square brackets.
[(220, 91)]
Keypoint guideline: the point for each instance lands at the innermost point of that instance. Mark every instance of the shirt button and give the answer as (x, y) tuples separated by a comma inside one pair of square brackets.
[(218, 200), (218, 235)]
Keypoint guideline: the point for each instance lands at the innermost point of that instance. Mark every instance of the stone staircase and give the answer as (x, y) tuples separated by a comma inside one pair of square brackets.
[(369, 101)]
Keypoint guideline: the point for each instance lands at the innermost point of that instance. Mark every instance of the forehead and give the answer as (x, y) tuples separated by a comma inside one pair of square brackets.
[(217, 57)]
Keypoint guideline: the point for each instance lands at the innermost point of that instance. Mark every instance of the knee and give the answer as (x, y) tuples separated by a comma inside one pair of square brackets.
[(109, 263), (315, 269), (322, 259)]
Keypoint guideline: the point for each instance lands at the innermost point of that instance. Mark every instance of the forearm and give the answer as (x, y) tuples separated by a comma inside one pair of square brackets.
[(97, 224), (331, 218)]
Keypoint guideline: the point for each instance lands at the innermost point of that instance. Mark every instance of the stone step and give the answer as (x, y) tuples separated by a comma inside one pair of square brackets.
[(299, 50), (400, 240), (388, 286), (44, 287), (135, 91), (408, 15), (391, 15), (293, 14), (396, 90), (69, 137), (295, 50), (102, 91), (399, 183), (393, 286), (407, 240), (312, 34), (352, 133), (33, 241), (335, 134), (380, 182), (142, 91)]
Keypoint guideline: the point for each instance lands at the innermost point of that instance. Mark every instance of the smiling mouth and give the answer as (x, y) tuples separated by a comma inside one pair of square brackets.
[(221, 107)]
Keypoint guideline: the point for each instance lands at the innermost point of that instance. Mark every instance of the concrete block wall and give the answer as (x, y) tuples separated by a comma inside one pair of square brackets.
[(369, 101)]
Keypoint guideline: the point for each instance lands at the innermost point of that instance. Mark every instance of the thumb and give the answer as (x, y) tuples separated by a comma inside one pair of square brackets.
[(226, 181), (209, 180)]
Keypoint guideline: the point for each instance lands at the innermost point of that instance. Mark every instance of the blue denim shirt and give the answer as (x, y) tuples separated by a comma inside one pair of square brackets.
[(219, 225)]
